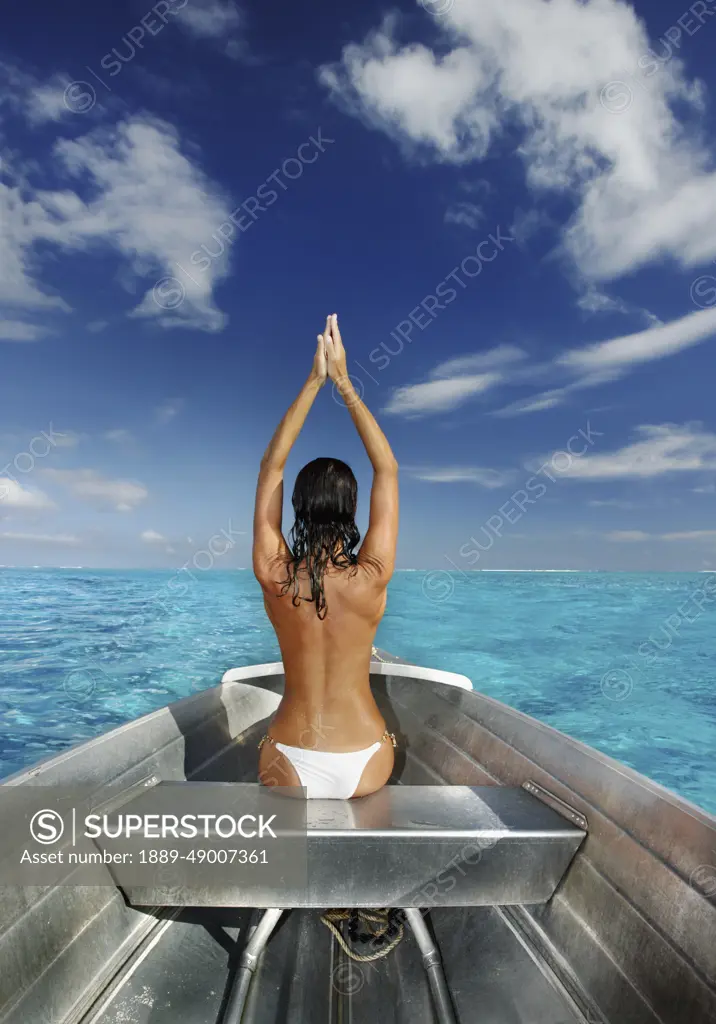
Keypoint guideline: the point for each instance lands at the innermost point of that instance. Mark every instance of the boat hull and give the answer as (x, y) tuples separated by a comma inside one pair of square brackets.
[(628, 937)]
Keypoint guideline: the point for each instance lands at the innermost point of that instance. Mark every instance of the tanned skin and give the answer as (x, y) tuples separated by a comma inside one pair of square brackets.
[(327, 702)]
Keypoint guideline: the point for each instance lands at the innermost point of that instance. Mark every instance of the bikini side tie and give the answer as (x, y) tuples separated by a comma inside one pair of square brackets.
[(386, 736)]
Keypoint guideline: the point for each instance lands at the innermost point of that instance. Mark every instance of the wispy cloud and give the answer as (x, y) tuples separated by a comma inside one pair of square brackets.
[(610, 503), (466, 214), (592, 365), (14, 496), (152, 537), (210, 19), (46, 101), (61, 539), (454, 382), (620, 354), (439, 395), (168, 410), (662, 449), (540, 402), (488, 478), (477, 362), (595, 300), (90, 486), (20, 330), (628, 536), (689, 535), (529, 223), (37, 100), (638, 536), (118, 436), (220, 21), (492, 479), (66, 438)]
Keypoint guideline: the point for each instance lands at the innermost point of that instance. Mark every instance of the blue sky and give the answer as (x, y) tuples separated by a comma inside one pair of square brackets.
[(511, 207)]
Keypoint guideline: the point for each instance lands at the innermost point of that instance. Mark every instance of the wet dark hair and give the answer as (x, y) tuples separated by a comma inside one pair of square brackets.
[(325, 498)]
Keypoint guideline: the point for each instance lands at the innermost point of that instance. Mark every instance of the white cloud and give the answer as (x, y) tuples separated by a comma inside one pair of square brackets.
[(90, 486), (438, 395), (14, 495), (152, 537), (129, 208), (166, 412), (593, 300), (119, 436), (640, 179), (454, 382), (637, 536), (63, 539), (592, 365), (528, 223), (210, 19), (495, 358), (65, 438), (19, 330), (610, 503), (96, 326), (154, 226), (489, 478), (414, 95), (469, 215), (221, 21), (545, 400), (619, 354), (690, 535), (46, 101), (628, 536), (36, 100), (667, 448), (22, 221)]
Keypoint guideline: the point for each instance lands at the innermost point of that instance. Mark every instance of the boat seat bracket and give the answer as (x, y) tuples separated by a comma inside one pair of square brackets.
[(557, 804)]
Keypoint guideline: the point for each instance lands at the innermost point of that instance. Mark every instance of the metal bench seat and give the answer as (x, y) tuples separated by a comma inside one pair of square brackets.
[(407, 847), (404, 847)]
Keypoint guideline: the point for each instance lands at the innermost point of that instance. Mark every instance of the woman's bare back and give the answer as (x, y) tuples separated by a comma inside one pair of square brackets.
[(328, 704)]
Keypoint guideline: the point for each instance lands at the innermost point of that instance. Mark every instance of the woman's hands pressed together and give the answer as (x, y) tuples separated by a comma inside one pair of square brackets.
[(330, 357), (335, 352), (319, 371)]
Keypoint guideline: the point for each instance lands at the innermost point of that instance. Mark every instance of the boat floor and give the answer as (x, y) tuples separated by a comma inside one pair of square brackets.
[(303, 975)]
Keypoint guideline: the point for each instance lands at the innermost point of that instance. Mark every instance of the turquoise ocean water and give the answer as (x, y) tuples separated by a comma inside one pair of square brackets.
[(625, 663)]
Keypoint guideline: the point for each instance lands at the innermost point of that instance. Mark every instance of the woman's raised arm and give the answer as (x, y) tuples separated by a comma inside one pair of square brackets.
[(269, 542), (377, 551)]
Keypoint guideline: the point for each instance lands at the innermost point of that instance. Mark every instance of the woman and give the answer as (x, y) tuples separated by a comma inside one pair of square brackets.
[(325, 600)]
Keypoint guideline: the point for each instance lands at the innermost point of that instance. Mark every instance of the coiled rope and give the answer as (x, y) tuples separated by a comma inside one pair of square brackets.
[(387, 921)]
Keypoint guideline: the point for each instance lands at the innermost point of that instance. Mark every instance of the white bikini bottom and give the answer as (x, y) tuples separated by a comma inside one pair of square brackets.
[(326, 774)]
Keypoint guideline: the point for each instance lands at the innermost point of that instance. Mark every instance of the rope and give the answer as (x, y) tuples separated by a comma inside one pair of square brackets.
[(386, 919)]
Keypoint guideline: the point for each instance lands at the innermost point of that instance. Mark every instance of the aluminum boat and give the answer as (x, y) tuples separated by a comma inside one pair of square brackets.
[(592, 899)]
